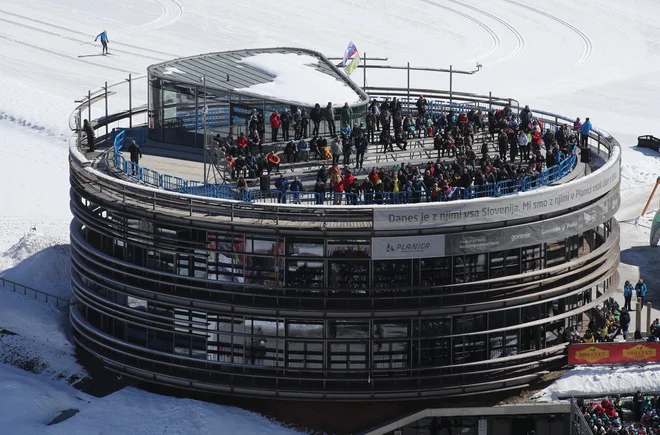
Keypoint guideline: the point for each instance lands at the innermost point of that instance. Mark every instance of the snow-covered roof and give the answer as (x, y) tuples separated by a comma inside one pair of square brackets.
[(287, 75)]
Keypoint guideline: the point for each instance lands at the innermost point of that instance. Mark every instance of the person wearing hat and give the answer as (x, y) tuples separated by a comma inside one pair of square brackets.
[(640, 289), (89, 132), (136, 152), (346, 114), (104, 40), (627, 295), (422, 106)]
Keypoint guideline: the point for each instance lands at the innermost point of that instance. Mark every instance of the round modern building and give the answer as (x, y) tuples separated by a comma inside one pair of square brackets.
[(193, 286)]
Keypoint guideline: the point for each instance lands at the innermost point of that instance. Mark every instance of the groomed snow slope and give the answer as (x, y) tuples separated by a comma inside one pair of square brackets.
[(598, 59)]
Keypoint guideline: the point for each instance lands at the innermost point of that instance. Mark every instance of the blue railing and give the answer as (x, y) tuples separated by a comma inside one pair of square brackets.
[(224, 191)]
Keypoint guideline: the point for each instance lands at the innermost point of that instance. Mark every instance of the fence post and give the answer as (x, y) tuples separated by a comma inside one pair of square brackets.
[(638, 315), (130, 101), (490, 100), (451, 84), (598, 142), (89, 106), (106, 109), (648, 318), (364, 71), (408, 85)]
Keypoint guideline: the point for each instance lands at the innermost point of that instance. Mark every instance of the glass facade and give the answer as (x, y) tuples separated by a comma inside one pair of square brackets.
[(316, 313), (176, 112)]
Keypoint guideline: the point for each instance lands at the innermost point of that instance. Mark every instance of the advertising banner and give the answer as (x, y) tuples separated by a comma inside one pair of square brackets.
[(477, 242), (488, 210), (614, 353), (391, 248)]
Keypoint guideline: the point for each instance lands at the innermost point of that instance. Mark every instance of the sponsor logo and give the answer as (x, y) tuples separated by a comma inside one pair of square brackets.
[(592, 354), (639, 352), (408, 248)]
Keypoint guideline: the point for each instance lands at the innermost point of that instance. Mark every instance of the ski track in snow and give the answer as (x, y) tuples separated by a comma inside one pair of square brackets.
[(59, 35), (586, 41), (493, 35), (86, 35), (64, 55), (171, 12), (520, 40)]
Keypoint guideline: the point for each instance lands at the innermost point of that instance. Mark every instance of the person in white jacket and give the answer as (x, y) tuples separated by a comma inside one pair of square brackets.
[(523, 145)]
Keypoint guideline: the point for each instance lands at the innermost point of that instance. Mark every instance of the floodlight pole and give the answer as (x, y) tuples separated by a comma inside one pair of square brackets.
[(130, 102), (204, 113), (451, 84), (106, 109)]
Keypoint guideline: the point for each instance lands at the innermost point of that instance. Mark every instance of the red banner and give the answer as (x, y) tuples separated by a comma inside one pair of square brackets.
[(613, 353)]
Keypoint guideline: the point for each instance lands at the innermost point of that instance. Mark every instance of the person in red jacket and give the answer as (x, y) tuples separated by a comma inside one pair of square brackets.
[(275, 124), (348, 181), (537, 140), (242, 143), (337, 187), (373, 176)]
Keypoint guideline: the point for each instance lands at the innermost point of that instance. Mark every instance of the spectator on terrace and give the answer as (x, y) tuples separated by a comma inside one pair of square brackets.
[(335, 149), (254, 141), (316, 115), (525, 119), (89, 132), (422, 106), (285, 120), (346, 114), (385, 119), (282, 184), (303, 150), (329, 116), (242, 143), (360, 150), (627, 295), (584, 133), (275, 124), (640, 288), (136, 154), (290, 151), (296, 187), (624, 320), (297, 124)]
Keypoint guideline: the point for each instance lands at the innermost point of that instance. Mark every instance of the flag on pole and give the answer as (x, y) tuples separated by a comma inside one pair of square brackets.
[(349, 53), (351, 59), (353, 65)]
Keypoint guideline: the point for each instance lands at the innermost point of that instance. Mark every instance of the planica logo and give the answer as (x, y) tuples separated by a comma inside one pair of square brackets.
[(408, 247)]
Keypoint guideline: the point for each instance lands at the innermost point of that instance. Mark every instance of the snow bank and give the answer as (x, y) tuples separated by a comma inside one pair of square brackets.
[(603, 381), (29, 402), (40, 345), (297, 79), (39, 260)]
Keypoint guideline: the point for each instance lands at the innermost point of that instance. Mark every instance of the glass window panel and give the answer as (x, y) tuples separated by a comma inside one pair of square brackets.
[(305, 329), (349, 248), (136, 303)]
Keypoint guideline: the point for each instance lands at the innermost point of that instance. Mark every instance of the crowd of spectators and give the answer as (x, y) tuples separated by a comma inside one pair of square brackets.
[(607, 417), (464, 142)]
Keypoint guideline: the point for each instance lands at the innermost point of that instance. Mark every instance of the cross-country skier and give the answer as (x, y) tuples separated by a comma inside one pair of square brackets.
[(104, 40)]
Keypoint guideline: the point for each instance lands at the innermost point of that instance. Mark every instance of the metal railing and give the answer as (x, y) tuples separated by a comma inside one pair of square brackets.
[(579, 425), (40, 295), (223, 191)]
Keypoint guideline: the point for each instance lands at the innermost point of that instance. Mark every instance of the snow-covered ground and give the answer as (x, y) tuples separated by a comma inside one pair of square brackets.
[(597, 58)]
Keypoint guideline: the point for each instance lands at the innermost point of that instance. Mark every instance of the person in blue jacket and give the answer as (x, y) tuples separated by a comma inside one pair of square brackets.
[(104, 40), (627, 295), (640, 289), (584, 132), (282, 184)]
